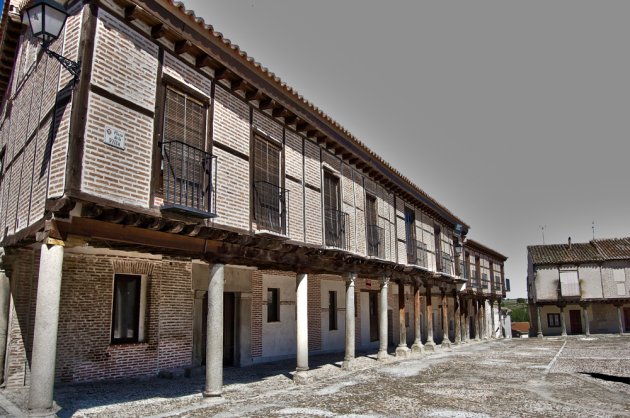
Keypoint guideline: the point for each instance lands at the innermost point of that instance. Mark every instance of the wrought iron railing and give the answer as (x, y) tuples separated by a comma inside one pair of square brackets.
[(270, 207), (417, 253), (335, 223), (485, 285), (375, 241), (189, 180), (474, 282), (447, 264)]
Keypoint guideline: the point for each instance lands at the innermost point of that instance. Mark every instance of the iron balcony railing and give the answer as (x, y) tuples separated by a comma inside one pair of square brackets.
[(485, 284), (270, 207), (335, 223), (447, 264), (190, 176), (417, 253), (473, 281), (375, 241)]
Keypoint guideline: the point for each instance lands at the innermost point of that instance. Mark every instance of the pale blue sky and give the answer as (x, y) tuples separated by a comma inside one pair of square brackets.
[(512, 114)]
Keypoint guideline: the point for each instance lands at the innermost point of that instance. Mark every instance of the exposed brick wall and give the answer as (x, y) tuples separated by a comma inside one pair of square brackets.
[(269, 127), (125, 63), (314, 312), (231, 121), (257, 296), (183, 73), (110, 172)]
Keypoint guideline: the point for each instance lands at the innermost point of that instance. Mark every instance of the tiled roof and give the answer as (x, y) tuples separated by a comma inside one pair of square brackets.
[(520, 326), (613, 249), (593, 251), (482, 248), (258, 66)]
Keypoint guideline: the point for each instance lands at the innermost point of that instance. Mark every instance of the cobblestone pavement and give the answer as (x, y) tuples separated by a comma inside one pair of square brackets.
[(527, 377)]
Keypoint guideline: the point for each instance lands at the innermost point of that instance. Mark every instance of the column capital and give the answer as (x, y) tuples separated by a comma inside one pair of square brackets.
[(385, 281), (350, 277)]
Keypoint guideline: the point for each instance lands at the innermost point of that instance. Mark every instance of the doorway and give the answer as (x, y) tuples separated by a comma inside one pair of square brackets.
[(229, 328), (575, 316), (373, 302), (626, 318)]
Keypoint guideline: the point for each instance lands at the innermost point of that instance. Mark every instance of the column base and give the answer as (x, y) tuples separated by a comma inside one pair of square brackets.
[(212, 393), (417, 348), (429, 346), (382, 355), (446, 344), (402, 351), (349, 364), (48, 412), (302, 377), (539, 336)]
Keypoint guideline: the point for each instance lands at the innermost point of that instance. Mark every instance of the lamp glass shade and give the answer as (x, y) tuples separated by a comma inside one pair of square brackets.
[(46, 19)]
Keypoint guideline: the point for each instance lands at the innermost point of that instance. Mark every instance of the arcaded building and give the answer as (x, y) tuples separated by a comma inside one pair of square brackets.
[(177, 205), (579, 288)]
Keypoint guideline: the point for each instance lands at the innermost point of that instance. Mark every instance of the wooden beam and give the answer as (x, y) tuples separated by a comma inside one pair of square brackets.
[(311, 133), (290, 120), (252, 95), (239, 84), (203, 60), (183, 46), (265, 104), (158, 31), (221, 73), (130, 13), (301, 126), (277, 112)]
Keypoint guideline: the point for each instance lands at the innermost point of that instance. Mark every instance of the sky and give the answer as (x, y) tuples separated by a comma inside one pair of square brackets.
[(514, 115)]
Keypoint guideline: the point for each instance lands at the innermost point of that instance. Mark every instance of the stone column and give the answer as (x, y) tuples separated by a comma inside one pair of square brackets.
[(417, 325), (382, 320), (464, 321), (301, 301), (484, 325), (493, 333), (457, 319), (563, 325), (587, 323), (5, 295), (214, 332), (446, 342), (350, 340), (46, 325), (539, 323), (428, 306), (477, 321), (620, 318), (402, 350)]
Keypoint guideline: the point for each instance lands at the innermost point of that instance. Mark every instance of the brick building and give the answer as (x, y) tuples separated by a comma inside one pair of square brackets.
[(178, 206), (586, 285)]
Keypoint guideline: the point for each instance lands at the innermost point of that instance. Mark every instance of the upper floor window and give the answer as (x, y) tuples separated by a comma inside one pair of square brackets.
[(2, 152), (410, 236), (335, 220), (375, 234), (187, 170), (269, 196)]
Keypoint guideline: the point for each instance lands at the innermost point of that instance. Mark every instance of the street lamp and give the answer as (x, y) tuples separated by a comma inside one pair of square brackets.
[(46, 19)]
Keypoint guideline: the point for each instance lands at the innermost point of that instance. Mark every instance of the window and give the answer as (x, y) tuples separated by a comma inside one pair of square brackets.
[(375, 235), (269, 206), (185, 166), (569, 283), (553, 320), (410, 236), (273, 305), (334, 219), (2, 152), (332, 310), (126, 316)]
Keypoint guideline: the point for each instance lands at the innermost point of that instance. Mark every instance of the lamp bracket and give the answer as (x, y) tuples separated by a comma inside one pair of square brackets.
[(73, 67)]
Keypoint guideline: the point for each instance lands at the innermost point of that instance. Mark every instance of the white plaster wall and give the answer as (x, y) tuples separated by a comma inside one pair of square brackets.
[(590, 281), (365, 322), (333, 340), (279, 338), (604, 318), (547, 283)]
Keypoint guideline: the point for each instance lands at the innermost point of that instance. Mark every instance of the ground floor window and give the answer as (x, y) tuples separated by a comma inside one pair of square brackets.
[(332, 310), (273, 304), (553, 320), (126, 308)]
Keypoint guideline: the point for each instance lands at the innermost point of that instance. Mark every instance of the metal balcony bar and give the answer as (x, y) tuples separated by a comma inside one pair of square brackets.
[(189, 180), (375, 241), (335, 223), (270, 207), (417, 253)]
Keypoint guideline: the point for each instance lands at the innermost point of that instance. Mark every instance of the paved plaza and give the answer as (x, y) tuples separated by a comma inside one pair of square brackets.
[(525, 377)]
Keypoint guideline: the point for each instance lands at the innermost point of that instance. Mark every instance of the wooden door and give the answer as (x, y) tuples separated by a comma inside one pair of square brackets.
[(373, 316), (575, 317), (228, 329)]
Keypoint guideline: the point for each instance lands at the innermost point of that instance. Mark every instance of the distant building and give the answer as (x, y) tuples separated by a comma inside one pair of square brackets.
[(520, 329), (579, 288)]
